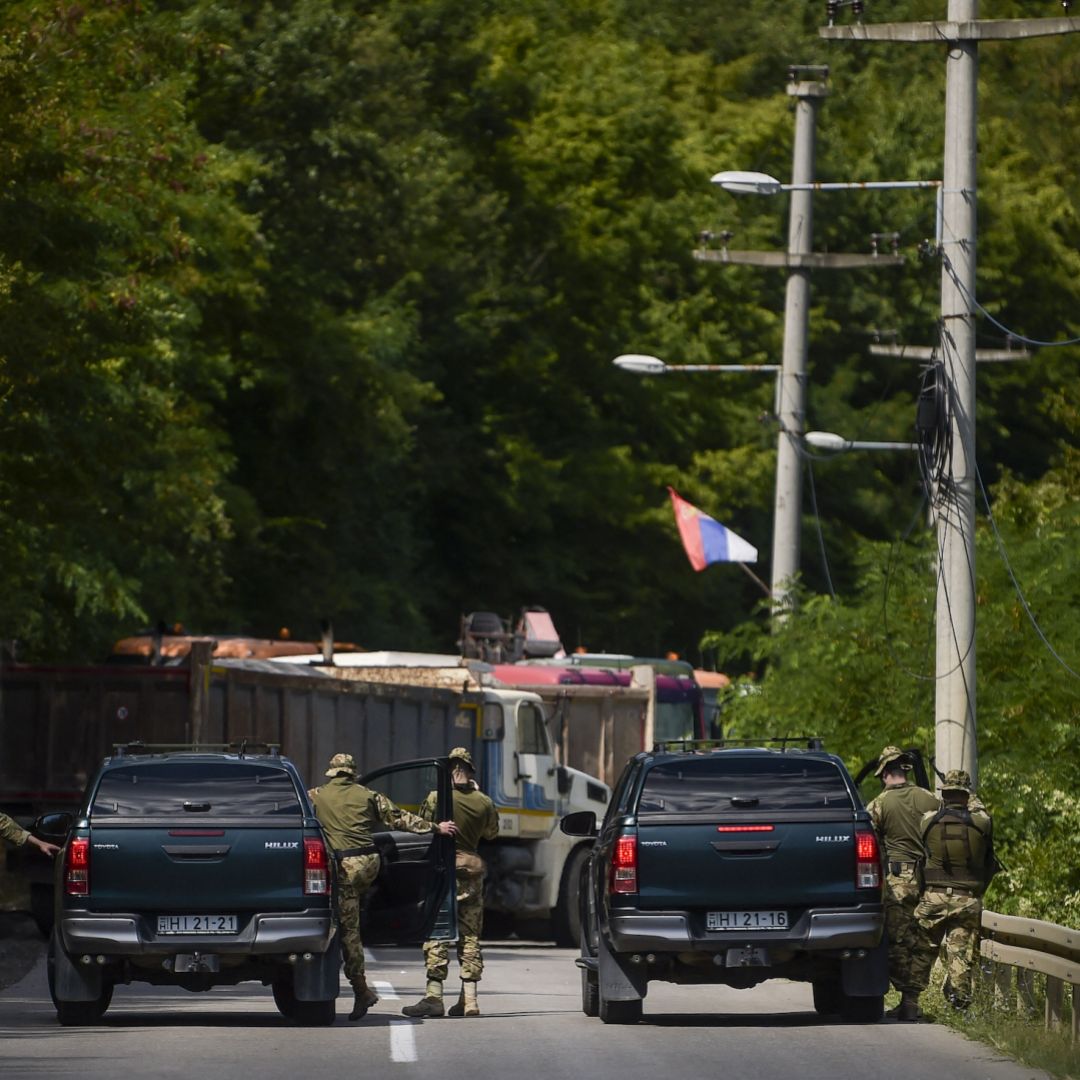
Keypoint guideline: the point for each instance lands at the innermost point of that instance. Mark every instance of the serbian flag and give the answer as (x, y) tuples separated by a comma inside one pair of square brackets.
[(707, 541)]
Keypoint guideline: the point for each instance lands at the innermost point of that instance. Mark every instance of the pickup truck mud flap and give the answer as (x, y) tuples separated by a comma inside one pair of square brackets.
[(319, 979), (71, 981), (868, 975), (620, 980)]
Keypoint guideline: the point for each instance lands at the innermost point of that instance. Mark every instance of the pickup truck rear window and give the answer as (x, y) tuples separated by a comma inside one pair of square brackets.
[(697, 785), (192, 792)]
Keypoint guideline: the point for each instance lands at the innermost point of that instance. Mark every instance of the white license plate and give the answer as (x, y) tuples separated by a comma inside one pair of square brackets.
[(746, 920), (196, 924)]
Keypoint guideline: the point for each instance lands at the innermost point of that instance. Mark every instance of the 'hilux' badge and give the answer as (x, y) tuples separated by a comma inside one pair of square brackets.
[(281, 844), (832, 839)]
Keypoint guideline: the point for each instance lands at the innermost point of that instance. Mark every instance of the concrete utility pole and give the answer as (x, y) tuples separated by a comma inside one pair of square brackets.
[(954, 705), (799, 261)]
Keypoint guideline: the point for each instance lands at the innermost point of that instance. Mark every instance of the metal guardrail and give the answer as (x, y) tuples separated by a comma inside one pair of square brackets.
[(1032, 945)]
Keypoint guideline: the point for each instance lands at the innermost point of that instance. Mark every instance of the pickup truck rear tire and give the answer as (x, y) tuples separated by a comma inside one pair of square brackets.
[(619, 1012), (590, 993), (74, 1013), (828, 997), (862, 1010), (314, 1013), (284, 998)]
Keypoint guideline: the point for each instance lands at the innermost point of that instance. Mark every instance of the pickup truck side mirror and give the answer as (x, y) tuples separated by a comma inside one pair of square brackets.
[(581, 823), (53, 827)]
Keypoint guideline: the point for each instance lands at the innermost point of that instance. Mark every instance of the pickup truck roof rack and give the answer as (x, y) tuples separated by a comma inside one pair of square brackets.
[(703, 746), (242, 747)]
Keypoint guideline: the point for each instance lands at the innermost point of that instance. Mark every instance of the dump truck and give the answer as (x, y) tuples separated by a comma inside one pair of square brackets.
[(58, 723)]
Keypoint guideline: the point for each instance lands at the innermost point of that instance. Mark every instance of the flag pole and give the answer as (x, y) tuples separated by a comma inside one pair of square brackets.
[(764, 588)]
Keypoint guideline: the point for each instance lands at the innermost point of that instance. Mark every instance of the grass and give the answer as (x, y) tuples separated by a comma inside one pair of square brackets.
[(1011, 1023)]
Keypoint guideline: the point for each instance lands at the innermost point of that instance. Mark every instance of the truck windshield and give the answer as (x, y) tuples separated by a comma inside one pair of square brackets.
[(191, 791), (695, 785)]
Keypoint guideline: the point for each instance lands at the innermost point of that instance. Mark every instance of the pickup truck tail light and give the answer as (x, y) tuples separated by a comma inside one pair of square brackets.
[(867, 860), (624, 865), (316, 867), (77, 867)]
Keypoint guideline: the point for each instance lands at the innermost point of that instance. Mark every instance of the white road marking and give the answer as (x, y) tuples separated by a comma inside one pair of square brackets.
[(386, 991), (402, 1042)]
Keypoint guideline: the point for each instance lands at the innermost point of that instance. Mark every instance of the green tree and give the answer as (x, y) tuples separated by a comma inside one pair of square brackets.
[(117, 235)]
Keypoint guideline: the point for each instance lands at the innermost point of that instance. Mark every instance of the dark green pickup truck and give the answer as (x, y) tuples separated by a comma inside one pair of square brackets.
[(200, 869), (732, 866)]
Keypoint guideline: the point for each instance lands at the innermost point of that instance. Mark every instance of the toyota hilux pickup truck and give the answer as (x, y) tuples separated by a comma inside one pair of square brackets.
[(202, 868), (731, 866)]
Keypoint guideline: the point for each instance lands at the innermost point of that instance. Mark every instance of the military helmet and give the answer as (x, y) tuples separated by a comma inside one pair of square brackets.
[(342, 763), (889, 755), (957, 780), (461, 755)]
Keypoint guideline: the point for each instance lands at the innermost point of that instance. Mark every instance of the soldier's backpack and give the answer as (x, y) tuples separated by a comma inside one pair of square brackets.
[(957, 846)]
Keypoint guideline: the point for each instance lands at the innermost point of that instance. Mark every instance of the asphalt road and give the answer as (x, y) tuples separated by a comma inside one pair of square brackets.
[(532, 1024)]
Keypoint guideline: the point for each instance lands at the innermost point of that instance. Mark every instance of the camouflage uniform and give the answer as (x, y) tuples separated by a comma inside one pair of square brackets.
[(956, 840), (476, 819), (348, 813), (11, 830), (897, 815)]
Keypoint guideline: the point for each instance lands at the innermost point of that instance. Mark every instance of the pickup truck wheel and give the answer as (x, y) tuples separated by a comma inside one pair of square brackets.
[(828, 997), (74, 1013), (590, 993), (314, 1013), (619, 1012), (862, 1010), (284, 998), (567, 921), (83, 1013)]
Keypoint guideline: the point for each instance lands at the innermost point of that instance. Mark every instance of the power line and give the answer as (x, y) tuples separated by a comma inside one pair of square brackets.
[(1011, 333)]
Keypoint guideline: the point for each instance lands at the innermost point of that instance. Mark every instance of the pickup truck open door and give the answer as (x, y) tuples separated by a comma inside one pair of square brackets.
[(414, 898)]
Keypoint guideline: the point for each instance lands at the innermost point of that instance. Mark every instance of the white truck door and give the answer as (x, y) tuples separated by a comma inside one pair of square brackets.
[(535, 771)]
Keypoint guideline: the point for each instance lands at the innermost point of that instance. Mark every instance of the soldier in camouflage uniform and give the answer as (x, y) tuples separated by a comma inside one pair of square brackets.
[(897, 815), (476, 819), (348, 813), (957, 840), (11, 830)]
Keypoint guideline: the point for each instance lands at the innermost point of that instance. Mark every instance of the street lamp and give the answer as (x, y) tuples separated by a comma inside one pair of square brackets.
[(829, 440), (757, 183), (641, 364)]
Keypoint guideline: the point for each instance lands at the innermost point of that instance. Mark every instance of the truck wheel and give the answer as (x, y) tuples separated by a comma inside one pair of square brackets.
[(828, 997), (315, 1013), (590, 993), (284, 998), (567, 920), (74, 1013), (83, 1013), (862, 1010), (619, 1012)]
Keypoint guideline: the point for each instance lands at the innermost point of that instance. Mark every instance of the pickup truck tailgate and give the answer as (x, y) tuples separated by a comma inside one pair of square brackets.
[(787, 864), (214, 870)]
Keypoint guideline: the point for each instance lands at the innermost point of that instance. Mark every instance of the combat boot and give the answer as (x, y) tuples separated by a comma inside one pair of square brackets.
[(363, 998), (430, 1005), (466, 1003), (908, 1009)]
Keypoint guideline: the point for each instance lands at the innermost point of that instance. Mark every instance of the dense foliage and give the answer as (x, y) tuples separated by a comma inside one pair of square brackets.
[(308, 307)]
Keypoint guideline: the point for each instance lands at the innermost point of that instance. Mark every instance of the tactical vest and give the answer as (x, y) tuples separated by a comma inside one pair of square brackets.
[(956, 850)]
